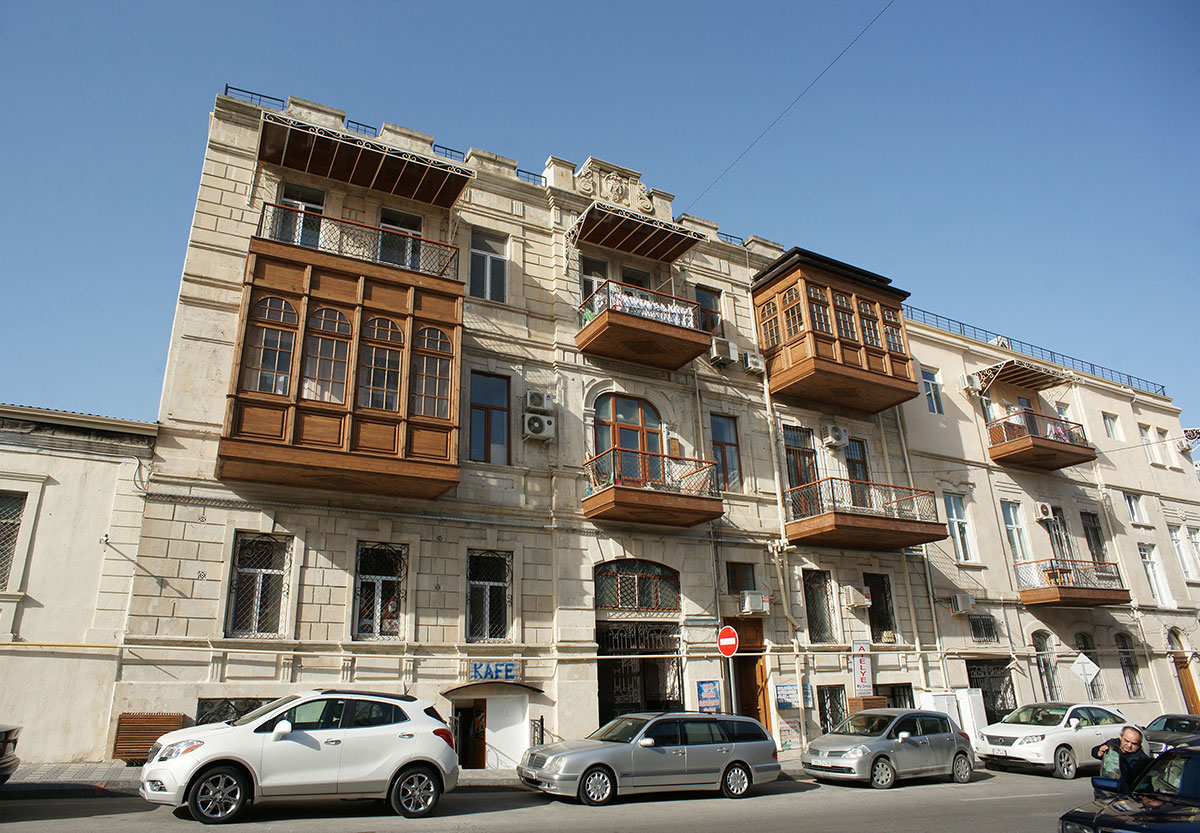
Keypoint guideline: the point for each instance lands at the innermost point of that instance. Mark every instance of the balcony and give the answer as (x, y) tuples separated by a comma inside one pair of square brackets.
[(818, 368), (836, 512), (649, 488), (1025, 438), (361, 242), (619, 321), (1057, 581)]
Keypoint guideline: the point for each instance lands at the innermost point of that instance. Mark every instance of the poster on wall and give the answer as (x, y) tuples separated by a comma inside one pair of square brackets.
[(864, 685), (708, 695), (787, 697), (808, 696), (789, 733)]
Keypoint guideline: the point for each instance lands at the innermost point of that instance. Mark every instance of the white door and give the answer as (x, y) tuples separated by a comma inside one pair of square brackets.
[(378, 738), (507, 735), (306, 760)]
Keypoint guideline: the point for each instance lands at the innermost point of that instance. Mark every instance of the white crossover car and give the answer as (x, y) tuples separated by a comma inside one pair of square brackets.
[(1053, 736), (317, 744)]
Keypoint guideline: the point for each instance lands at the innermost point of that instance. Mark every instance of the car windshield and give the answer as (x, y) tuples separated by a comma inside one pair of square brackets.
[(1037, 716), (1172, 776), (1182, 725), (621, 730), (250, 717), (863, 725)]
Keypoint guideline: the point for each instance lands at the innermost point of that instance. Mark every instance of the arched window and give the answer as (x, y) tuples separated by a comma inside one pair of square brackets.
[(270, 341), (1045, 665), (1129, 665), (632, 430), (379, 365), (326, 354), (431, 374), (636, 585), (1087, 646)]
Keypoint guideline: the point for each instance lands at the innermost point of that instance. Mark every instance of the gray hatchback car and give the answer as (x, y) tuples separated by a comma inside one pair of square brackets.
[(651, 752), (881, 745)]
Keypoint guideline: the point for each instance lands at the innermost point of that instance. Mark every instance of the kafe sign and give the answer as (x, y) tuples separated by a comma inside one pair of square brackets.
[(506, 671)]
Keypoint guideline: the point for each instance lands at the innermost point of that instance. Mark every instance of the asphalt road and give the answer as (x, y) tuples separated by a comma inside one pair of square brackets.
[(1003, 802)]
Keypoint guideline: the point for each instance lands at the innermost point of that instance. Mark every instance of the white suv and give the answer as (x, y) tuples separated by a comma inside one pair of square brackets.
[(317, 744), (1050, 735)]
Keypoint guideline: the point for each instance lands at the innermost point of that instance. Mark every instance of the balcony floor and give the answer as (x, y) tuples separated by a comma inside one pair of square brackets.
[(647, 506), (823, 380), (631, 338), (1040, 453), (863, 532), (1073, 596)]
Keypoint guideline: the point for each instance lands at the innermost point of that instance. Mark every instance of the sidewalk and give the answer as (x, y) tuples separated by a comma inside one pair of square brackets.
[(115, 779)]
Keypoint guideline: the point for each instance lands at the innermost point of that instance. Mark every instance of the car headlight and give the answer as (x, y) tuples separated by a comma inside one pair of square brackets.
[(1031, 739), (857, 752), (556, 764), (1073, 827), (179, 748)]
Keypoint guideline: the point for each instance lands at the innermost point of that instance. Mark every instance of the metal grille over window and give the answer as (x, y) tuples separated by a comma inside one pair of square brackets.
[(983, 628), (381, 588), (636, 585), (489, 595), (816, 603), (11, 509), (260, 566)]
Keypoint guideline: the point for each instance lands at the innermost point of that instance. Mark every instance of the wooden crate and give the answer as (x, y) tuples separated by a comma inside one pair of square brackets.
[(137, 731), (857, 704)]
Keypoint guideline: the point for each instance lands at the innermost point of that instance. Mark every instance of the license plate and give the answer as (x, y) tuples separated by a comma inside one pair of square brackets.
[(1001, 752)]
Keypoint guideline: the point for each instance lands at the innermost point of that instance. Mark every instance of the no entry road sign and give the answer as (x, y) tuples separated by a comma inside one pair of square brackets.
[(727, 641)]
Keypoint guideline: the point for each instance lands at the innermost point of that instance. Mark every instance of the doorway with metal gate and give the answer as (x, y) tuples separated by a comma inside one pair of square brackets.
[(645, 672), (994, 680)]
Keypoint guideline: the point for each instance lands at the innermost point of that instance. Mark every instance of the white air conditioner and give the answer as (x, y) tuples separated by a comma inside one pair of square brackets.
[(969, 383), (962, 603), (1044, 512), (754, 363), (835, 436), (722, 352), (1000, 341), (538, 427), (853, 597), (1184, 445), (539, 401), (755, 602)]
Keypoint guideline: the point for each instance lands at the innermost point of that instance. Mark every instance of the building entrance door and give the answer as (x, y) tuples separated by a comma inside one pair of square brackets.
[(630, 682), (470, 735), (994, 680), (750, 672)]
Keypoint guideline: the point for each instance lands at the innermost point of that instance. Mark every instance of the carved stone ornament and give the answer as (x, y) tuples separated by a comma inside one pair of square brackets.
[(643, 200), (584, 184), (615, 189)]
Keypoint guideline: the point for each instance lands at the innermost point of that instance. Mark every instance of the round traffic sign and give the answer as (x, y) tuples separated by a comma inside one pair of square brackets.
[(727, 641)]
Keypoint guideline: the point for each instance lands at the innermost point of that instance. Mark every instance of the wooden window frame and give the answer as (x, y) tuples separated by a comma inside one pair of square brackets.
[(721, 449), (486, 412)]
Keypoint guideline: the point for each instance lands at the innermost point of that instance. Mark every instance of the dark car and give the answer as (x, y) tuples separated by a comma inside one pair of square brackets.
[(8, 751), (1165, 799), (1168, 730)]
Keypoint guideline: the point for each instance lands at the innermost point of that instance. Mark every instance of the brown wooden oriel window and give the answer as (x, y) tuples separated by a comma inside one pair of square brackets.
[(326, 356), (431, 374), (270, 340), (379, 363)]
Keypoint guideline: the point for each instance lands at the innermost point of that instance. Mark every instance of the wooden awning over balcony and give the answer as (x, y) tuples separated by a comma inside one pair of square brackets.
[(358, 160), (612, 227), (1022, 374)]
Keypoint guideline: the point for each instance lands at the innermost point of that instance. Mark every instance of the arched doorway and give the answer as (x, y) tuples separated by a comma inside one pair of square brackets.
[(1183, 671)]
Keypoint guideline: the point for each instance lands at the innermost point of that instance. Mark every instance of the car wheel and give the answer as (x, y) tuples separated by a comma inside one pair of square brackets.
[(415, 793), (1064, 763), (883, 774), (218, 795), (960, 770), (597, 787), (736, 781)]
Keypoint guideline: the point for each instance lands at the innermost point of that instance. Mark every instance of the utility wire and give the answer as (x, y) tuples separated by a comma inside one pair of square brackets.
[(789, 107), (971, 465)]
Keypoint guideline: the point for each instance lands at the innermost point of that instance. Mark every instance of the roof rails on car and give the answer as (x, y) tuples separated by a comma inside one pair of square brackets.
[(404, 698)]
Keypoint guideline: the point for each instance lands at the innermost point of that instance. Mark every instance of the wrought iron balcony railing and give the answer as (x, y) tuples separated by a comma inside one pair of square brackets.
[(648, 470), (633, 300), (837, 494), (1065, 572), (361, 242), (1027, 423)]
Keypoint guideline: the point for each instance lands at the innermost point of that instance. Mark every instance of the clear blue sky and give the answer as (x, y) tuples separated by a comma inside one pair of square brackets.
[(1027, 167)]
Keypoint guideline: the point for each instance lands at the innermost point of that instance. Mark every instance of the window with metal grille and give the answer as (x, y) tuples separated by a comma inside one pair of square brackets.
[(269, 345), (883, 622), (431, 374), (1087, 646), (12, 506), (1047, 672), (258, 586), (831, 705), (1129, 665), (633, 584), (983, 627), (817, 606), (489, 595), (380, 591)]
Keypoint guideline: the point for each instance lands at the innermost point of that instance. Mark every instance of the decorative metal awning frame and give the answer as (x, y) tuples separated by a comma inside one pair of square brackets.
[(613, 227), (357, 160), (1022, 374)]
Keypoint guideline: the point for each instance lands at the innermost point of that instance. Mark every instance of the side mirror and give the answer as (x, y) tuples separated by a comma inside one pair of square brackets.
[(646, 742), (1074, 721), (1105, 788), (904, 736), (282, 729)]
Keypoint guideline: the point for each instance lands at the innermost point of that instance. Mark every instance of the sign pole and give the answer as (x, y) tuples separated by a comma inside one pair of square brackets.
[(733, 704), (727, 644)]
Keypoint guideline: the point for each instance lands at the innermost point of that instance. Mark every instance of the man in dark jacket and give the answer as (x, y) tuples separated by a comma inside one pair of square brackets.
[(1130, 755)]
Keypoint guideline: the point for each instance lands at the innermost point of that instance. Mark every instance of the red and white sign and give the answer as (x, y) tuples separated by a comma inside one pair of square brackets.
[(727, 641), (863, 682)]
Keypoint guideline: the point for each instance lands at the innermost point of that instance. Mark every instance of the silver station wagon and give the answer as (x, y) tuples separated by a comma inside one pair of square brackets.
[(652, 752), (881, 745)]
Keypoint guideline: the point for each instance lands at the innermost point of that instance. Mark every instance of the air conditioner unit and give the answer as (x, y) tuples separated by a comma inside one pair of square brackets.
[(722, 352), (755, 602), (539, 401), (1000, 341), (962, 603), (1044, 512), (853, 597), (538, 427), (835, 436), (969, 383), (754, 363), (1184, 445)]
